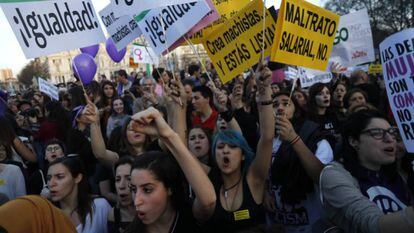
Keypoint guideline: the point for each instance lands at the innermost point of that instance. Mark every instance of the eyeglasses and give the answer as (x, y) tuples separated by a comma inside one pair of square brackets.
[(379, 133), (53, 148)]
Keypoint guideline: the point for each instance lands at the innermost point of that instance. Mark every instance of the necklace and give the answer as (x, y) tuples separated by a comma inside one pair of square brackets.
[(226, 190)]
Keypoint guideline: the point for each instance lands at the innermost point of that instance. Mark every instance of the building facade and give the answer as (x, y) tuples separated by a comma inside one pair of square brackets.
[(60, 64)]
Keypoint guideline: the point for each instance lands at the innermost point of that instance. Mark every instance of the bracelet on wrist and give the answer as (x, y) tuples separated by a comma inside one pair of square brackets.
[(227, 115), (295, 140)]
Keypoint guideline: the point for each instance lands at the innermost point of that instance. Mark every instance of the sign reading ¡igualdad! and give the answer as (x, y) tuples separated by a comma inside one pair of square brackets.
[(162, 27), (237, 45), (304, 35), (47, 27)]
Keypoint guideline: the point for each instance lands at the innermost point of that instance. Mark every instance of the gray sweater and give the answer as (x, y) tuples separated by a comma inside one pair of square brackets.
[(344, 203)]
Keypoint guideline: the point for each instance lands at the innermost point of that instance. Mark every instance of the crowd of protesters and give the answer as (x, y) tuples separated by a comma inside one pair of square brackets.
[(182, 153)]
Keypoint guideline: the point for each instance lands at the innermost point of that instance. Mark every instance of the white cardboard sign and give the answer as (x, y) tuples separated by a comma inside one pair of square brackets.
[(353, 43), (177, 21), (49, 89), (132, 7), (144, 55), (122, 29), (48, 27), (308, 77), (397, 58)]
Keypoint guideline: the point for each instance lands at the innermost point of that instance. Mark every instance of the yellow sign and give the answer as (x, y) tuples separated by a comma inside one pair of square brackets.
[(237, 45), (304, 35), (241, 215), (227, 9), (375, 69)]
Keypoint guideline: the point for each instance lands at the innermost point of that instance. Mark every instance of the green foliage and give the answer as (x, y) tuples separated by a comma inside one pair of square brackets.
[(34, 68), (386, 16)]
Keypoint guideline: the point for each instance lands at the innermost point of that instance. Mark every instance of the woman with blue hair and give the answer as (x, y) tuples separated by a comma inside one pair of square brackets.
[(239, 176)]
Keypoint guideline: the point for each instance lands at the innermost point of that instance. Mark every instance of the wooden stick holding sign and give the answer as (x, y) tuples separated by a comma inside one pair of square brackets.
[(264, 30), (168, 53)]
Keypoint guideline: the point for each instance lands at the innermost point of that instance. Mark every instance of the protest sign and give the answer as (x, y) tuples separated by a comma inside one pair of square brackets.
[(122, 29), (49, 89), (175, 20), (14, 1), (291, 73), (226, 9), (375, 69), (237, 45), (304, 35), (397, 58), (348, 72), (132, 7), (207, 20), (141, 55), (353, 42), (47, 27), (308, 77)]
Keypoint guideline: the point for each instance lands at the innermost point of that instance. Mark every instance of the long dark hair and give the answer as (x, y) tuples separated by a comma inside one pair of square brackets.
[(352, 128), (166, 170), (209, 136), (287, 170), (7, 133), (105, 101), (351, 92), (78, 96), (85, 204), (312, 105), (125, 147), (58, 115), (113, 113)]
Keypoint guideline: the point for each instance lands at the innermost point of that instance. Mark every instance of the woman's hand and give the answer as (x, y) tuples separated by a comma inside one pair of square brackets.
[(174, 95), (236, 97), (91, 112), (285, 129), (220, 100), (263, 77), (151, 122)]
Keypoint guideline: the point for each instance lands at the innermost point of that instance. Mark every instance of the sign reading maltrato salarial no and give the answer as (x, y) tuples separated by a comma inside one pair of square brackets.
[(397, 56), (47, 27)]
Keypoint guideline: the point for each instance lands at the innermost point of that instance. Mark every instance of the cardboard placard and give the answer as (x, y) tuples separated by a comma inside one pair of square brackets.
[(226, 9), (49, 89), (177, 21), (397, 58), (48, 27), (353, 43), (304, 35), (237, 45), (122, 29)]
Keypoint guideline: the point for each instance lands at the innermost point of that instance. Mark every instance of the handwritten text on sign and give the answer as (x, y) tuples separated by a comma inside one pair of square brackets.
[(397, 56), (304, 35), (175, 21), (49, 89), (132, 7), (47, 27), (237, 45), (353, 42), (122, 29)]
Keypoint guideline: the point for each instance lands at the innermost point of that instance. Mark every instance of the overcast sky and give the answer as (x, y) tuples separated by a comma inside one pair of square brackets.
[(11, 55)]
